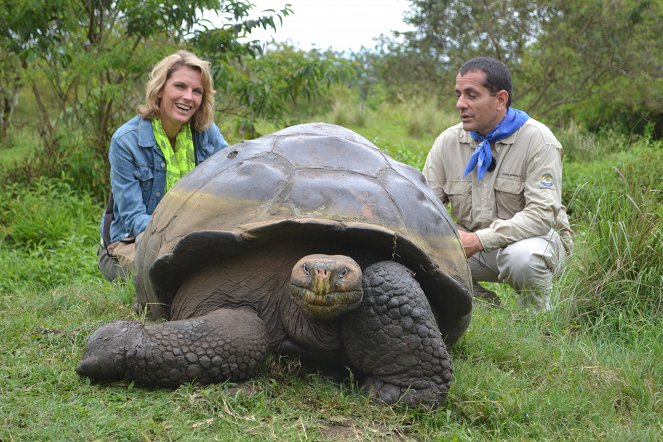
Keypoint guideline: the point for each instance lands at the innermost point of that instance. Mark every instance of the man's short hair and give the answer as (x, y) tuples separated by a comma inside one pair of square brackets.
[(498, 76)]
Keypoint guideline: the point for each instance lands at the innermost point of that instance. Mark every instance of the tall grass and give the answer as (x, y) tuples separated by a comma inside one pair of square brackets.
[(425, 118), (349, 113), (615, 281), (48, 234)]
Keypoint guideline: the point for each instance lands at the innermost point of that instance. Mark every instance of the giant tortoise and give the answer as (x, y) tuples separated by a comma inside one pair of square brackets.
[(309, 241)]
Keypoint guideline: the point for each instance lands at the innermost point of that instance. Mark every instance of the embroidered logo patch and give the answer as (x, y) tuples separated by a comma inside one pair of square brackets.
[(547, 180)]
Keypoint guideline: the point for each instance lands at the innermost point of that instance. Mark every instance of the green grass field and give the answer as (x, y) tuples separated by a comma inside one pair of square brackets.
[(590, 369)]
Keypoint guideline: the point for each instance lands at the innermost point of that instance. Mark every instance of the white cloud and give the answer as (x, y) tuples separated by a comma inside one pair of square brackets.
[(339, 24)]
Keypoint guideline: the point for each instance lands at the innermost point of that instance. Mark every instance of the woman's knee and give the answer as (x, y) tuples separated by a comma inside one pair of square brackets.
[(109, 266)]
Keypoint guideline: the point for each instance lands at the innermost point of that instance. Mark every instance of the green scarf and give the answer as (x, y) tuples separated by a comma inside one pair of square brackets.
[(180, 160)]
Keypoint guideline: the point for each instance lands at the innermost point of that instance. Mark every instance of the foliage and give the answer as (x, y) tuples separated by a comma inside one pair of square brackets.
[(272, 85), (441, 29), (615, 279), (86, 62), (71, 157), (596, 62), (94, 53), (48, 234), (396, 71), (447, 33), (599, 62)]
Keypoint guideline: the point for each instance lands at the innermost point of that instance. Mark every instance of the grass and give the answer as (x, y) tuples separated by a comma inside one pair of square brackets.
[(517, 376), (588, 370)]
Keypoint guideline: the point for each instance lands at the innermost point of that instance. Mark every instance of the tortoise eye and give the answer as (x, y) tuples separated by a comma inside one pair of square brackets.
[(343, 272), (307, 269)]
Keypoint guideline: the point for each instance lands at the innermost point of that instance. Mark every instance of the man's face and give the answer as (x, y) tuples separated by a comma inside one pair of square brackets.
[(479, 111)]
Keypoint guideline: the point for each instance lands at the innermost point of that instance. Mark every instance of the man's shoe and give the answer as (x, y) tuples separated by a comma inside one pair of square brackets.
[(138, 308), (485, 295)]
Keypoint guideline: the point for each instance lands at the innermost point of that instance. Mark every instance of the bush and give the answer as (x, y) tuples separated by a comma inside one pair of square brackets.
[(405, 154), (615, 278), (347, 113), (48, 234), (72, 153)]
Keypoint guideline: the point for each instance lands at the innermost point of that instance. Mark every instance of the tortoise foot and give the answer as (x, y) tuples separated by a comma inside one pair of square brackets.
[(430, 396), (106, 353), (394, 339)]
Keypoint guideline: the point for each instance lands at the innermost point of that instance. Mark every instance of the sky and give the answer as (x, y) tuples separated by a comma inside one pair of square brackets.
[(341, 25)]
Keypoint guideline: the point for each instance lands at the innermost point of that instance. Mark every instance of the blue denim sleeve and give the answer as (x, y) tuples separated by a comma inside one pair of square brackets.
[(215, 140), (125, 184)]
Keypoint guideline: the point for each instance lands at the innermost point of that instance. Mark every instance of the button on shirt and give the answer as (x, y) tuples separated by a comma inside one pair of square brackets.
[(520, 198)]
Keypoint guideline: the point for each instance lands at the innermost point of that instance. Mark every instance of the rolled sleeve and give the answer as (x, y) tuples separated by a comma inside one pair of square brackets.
[(542, 202)]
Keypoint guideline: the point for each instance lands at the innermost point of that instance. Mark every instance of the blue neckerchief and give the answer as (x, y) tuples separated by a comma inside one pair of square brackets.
[(482, 156)]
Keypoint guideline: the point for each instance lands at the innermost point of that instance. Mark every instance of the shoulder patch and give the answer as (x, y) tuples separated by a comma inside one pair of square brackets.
[(547, 180)]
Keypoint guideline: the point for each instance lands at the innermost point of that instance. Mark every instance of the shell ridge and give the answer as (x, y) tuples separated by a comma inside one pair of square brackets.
[(267, 205)]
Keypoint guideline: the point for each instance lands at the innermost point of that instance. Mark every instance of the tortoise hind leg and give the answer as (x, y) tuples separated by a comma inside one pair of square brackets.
[(394, 339), (227, 344)]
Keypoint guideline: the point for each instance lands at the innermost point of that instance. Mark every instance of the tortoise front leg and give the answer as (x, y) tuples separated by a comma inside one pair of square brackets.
[(227, 344), (393, 338)]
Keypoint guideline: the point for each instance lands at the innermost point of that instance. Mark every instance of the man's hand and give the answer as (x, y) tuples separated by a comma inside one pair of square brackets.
[(470, 242)]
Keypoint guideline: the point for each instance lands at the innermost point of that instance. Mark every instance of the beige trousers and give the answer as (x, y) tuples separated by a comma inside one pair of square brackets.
[(527, 265), (118, 262)]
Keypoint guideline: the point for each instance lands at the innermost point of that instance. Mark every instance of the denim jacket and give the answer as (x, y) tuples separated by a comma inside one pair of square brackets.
[(138, 173)]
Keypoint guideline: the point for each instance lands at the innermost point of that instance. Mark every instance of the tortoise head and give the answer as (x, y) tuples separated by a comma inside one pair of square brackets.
[(326, 286)]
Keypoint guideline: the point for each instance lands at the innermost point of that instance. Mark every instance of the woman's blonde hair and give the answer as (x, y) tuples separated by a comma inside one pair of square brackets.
[(163, 70)]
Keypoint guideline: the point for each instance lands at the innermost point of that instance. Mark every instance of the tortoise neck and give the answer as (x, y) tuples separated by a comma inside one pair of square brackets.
[(309, 333)]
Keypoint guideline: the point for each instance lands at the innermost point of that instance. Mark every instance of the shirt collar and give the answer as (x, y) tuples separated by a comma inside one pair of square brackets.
[(466, 138)]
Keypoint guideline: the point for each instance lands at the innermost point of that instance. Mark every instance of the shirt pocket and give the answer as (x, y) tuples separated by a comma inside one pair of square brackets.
[(460, 197), (145, 176), (509, 197)]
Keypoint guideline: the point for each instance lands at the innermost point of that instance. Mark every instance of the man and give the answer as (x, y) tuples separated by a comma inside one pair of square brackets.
[(502, 173)]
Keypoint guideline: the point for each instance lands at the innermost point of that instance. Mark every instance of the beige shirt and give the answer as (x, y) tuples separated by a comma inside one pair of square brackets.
[(520, 199)]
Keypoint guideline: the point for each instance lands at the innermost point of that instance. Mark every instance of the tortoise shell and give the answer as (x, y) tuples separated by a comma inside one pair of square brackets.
[(316, 183)]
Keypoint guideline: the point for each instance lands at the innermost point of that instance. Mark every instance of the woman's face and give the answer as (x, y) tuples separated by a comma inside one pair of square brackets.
[(180, 98)]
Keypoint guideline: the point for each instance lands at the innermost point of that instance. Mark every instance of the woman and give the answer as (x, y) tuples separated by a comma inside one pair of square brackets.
[(171, 134)]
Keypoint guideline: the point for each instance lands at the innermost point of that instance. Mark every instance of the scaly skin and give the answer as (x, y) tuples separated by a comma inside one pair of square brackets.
[(227, 344), (393, 338), (390, 336)]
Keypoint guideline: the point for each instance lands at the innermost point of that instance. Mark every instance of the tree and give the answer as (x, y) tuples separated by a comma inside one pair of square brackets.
[(268, 85), (594, 60), (452, 31), (598, 62), (91, 52), (11, 82)]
